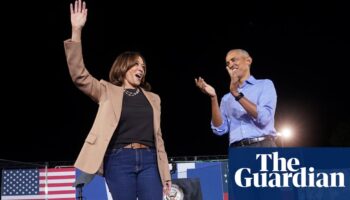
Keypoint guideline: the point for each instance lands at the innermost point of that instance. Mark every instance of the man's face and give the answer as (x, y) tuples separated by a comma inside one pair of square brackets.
[(238, 61)]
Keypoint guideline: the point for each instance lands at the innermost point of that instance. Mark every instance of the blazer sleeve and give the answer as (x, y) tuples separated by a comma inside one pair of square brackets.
[(163, 158), (81, 77), (164, 163)]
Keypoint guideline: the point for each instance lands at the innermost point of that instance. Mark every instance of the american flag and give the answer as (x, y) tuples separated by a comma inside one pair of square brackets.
[(224, 169), (33, 184)]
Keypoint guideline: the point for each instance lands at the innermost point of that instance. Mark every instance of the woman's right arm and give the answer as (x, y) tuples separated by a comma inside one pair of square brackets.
[(73, 49)]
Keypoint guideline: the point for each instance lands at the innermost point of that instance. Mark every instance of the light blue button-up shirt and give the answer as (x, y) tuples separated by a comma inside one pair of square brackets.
[(238, 123)]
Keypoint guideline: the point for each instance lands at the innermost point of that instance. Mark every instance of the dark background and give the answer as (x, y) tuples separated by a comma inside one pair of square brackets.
[(301, 46)]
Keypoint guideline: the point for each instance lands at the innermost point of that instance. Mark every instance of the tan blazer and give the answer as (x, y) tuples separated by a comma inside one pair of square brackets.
[(110, 98)]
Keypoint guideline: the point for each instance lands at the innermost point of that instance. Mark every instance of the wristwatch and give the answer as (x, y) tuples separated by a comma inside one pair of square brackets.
[(237, 98)]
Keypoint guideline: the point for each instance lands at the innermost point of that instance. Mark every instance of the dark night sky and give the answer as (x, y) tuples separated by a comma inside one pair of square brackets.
[(301, 47)]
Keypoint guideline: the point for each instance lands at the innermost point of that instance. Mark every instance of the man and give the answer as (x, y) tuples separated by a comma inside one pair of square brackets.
[(247, 111)]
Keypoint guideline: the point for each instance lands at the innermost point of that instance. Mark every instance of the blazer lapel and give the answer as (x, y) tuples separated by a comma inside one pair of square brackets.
[(152, 101), (117, 99)]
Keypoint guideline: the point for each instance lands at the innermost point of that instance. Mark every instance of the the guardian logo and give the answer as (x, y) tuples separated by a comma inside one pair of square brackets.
[(286, 173)]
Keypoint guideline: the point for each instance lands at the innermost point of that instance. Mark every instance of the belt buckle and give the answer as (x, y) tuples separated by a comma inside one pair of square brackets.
[(242, 143), (260, 139), (135, 145), (250, 141), (254, 140)]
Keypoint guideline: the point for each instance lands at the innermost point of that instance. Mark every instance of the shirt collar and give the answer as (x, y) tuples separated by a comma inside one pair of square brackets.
[(251, 80)]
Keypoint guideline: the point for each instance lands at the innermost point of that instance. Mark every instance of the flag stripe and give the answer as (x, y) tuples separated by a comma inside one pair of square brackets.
[(49, 173), (56, 184), (57, 189), (58, 181), (58, 192), (49, 177), (55, 196), (69, 169)]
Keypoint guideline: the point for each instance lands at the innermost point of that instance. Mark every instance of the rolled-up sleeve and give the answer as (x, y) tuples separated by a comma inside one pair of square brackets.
[(224, 127)]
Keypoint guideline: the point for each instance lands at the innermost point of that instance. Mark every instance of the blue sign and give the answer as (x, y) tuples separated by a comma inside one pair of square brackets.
[(289, 173)]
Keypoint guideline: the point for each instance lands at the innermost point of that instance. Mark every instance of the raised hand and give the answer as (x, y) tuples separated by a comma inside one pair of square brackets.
[(235, 74), (204, 87), (78, 14)]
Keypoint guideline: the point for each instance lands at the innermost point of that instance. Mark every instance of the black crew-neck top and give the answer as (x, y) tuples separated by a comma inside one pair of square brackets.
[(136, 121)]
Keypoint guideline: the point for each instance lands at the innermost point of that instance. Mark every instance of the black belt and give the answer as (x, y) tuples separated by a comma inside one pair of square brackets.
[(249, 141)]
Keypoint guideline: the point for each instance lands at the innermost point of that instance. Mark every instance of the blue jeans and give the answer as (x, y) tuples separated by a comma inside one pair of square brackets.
[(133, 173)]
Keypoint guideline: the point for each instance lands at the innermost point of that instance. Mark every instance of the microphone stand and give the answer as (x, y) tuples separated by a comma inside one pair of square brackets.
[(80, 191), (81, 181)]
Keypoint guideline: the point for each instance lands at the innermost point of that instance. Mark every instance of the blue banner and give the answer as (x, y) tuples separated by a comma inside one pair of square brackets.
[(289, 173), (212, 176)]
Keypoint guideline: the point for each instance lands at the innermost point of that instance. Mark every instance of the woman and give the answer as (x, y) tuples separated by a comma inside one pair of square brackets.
[(125, 143)]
